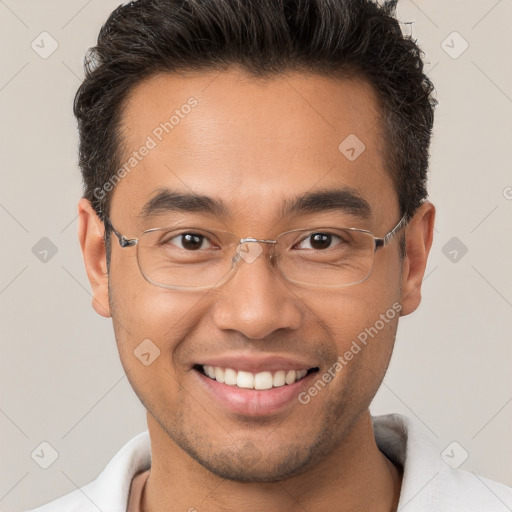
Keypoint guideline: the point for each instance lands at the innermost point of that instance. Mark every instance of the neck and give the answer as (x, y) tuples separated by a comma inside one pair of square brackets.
[(355, 476)]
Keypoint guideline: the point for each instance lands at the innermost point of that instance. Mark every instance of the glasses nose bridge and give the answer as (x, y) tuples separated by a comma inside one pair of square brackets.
[(251, 255), (257, 240), (250, 239)]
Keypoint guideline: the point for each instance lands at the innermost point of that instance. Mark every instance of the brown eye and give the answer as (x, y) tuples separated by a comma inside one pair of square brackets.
[(319, 241), (189, 241)]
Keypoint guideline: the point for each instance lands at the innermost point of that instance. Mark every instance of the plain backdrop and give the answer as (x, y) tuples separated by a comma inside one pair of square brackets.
[(61, 380)]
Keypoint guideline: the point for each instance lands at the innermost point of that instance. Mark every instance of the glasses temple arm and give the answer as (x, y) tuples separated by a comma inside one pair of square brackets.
[(381, 242), (123, 241)]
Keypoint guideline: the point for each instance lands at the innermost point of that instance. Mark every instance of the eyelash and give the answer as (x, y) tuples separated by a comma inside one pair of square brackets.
[(205, 238), (320, 233), (181, 235)]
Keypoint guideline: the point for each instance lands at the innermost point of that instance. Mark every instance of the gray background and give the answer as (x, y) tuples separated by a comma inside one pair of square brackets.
[(61, 379)]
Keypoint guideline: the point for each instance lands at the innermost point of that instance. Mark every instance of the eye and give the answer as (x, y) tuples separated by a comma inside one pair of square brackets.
[(319, 241), (189, 241)]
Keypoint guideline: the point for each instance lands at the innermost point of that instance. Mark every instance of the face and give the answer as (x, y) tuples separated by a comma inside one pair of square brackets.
[(254, 146)]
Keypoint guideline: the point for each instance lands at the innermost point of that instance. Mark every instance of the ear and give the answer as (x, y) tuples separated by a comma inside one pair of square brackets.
[(91, 236), (419, 233)]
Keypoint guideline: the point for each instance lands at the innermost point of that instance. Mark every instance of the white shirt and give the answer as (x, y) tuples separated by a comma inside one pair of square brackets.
[(429, 484)]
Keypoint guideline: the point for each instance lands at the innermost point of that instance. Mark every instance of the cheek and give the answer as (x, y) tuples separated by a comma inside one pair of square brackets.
[(148, 317), (349, 311), (362, 321), (150, 325)]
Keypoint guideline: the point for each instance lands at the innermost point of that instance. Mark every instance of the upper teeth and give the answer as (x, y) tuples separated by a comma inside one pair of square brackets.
[(262, 380)]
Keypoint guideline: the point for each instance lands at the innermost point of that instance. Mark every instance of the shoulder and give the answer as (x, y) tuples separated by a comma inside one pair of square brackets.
[(431, 481), (110, 491), (456, 489)]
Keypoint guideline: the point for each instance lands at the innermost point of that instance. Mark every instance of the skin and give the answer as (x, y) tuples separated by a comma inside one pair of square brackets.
[(255, 143)]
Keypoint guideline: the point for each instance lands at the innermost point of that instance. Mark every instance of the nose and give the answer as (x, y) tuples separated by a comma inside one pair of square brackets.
[(256, 301)]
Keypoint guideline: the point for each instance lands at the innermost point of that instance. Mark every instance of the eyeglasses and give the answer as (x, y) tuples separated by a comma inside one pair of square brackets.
[(192, 257)]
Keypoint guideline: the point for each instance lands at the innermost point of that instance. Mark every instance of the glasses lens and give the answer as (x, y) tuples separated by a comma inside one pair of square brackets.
[(196, 258), (185, 257), (326, 256)]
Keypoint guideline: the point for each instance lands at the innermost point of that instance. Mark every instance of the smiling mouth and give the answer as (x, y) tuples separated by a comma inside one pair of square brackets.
[(258, 381)]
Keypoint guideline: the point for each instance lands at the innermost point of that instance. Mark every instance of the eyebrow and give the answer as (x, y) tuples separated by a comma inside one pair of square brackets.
[(344, 199), (166, 201)]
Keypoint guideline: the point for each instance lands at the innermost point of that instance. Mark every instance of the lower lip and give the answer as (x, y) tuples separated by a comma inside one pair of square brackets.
[(252, 402)]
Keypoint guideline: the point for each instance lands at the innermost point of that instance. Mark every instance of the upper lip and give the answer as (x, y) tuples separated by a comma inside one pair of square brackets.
[(259, 363)]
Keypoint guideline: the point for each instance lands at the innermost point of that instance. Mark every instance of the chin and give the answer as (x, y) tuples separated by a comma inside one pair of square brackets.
[(255, 467)]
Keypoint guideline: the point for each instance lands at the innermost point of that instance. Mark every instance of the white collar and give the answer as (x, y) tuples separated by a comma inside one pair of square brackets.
[(428, 484)]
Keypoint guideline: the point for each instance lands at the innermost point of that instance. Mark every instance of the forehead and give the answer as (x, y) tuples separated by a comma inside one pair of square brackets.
[(252, 142)]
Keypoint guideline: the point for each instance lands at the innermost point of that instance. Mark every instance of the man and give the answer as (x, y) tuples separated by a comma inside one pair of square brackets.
[(255, 222)]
